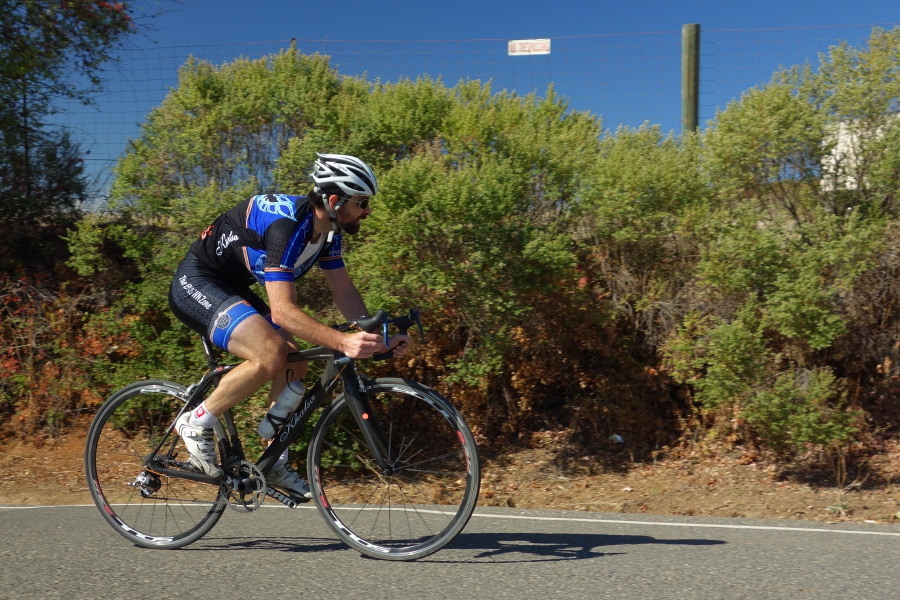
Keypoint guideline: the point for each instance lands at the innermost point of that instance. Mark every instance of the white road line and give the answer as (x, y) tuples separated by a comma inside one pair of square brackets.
[(585, 520), (670, 524)]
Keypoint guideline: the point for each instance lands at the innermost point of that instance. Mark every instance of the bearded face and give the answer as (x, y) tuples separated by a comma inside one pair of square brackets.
[(350, 215)]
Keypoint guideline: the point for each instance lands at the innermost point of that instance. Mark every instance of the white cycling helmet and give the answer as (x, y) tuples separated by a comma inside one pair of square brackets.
[(347, 174)]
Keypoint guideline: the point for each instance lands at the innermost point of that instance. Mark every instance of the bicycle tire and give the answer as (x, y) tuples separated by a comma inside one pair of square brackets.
[(164, 512), (430, 493)]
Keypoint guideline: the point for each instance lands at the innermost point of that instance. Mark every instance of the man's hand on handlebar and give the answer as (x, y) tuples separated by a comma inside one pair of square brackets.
[(399, 344), (368, 344), (361, 344), (365, 345)]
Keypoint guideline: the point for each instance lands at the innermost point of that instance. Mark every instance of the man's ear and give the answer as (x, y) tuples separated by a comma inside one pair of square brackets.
[(333, 199)]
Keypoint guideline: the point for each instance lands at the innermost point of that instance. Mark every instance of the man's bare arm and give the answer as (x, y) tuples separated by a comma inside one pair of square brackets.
[(346, 297), (286, 314)]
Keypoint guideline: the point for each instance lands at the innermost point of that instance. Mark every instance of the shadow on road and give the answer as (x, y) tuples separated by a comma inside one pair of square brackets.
[(283, 544), (530, 547), (493, 547)]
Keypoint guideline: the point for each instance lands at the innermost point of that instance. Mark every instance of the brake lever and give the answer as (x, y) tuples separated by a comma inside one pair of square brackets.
[(414, 314)]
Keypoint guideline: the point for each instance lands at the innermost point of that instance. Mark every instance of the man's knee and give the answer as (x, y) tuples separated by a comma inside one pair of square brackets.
[(273, 361)]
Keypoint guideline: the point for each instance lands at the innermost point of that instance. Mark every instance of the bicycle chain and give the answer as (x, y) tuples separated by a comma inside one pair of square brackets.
[(250, 500)]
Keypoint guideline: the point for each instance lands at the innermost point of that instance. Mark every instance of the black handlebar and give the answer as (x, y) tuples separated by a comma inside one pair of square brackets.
[(380, 321), (373, 323)]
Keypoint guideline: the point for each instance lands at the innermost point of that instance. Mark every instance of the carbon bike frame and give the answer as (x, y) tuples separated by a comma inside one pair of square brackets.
[(338, 370)]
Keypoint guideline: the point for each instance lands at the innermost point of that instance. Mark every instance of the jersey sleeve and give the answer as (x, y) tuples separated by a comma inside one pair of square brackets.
[(331, 257), (283, 241)]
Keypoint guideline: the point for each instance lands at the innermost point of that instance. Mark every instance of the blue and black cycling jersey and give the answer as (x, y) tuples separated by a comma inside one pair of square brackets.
[(266, 238)]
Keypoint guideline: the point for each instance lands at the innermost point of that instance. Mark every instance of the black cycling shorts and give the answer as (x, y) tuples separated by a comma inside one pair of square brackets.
[(210, 305)]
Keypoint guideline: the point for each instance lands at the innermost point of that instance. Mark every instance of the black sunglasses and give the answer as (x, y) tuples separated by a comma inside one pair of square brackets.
[(363, 204)]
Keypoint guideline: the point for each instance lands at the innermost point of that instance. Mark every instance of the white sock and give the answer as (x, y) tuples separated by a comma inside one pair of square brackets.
[(282, 459), (202, 417)]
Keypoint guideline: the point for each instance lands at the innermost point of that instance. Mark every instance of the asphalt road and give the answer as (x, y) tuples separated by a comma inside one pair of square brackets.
[(70, 552)]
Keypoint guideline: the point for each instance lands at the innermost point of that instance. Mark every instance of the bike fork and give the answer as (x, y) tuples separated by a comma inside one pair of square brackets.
[(358, 403)]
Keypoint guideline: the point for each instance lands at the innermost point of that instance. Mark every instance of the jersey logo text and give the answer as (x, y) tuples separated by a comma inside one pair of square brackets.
[(224, 241)]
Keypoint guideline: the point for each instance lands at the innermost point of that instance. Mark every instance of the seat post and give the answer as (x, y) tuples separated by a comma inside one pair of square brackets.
[(209, 350)]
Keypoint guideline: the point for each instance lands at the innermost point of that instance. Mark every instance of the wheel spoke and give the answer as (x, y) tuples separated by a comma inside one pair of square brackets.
[(423, 498), (147, 508)]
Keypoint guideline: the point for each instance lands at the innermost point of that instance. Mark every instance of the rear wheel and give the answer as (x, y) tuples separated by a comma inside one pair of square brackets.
[(426, 496), (148, 508)]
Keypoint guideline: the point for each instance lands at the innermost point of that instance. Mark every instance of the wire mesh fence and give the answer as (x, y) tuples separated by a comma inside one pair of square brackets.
[(626, 79)]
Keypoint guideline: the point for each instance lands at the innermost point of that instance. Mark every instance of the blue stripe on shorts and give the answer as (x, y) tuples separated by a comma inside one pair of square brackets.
[(227, 320)]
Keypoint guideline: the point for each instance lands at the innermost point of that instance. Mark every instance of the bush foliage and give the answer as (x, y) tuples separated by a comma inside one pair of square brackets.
[(736, 282)]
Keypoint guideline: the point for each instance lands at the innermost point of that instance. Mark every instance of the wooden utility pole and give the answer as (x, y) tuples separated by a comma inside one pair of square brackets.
[(690, 77)]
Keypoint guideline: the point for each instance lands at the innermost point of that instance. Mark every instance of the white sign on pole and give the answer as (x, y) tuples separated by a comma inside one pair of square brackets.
[(529, 47)]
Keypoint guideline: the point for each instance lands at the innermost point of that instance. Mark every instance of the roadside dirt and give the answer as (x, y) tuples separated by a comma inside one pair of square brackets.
[(728, 484)]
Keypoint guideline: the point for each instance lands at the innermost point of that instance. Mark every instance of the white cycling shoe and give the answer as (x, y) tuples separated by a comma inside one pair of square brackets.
[(285, 478), (200, 443)]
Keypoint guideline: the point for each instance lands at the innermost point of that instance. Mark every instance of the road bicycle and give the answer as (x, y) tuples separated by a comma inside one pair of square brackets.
[(392, 466)]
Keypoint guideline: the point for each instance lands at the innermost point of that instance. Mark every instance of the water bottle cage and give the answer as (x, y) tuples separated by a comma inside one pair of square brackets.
[(276, 421)]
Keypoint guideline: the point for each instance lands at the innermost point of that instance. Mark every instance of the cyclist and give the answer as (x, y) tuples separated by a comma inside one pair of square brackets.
[(273, 239)]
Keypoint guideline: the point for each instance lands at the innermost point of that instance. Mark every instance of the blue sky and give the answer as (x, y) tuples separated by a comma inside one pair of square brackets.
[(222, 21), (618, 60)]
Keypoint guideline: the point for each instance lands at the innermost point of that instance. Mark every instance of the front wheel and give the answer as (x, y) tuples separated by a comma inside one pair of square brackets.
[(428, 492), (126, 477)]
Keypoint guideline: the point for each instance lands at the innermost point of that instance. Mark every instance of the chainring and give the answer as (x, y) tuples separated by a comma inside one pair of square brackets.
[(250, 489)]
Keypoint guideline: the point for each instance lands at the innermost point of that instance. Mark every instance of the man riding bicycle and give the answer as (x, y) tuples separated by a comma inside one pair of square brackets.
[(273, 239)]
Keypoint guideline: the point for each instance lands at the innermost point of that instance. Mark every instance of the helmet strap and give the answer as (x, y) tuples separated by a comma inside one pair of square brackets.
[(332, 213)]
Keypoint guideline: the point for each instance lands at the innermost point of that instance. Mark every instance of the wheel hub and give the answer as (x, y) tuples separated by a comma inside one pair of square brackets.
[(149, 483)]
